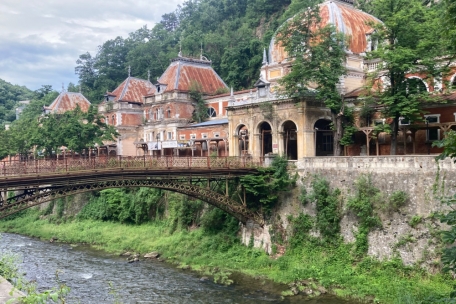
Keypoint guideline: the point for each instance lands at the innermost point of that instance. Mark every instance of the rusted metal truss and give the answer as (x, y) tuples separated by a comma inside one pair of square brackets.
[(35, 196)]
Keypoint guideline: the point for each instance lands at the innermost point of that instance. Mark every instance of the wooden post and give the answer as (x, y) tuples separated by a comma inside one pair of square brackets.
[(404, 135), (226, 186), (245, 200), (413, 141), (367, 131)]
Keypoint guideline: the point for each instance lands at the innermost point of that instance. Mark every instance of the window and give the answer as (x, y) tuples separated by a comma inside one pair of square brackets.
[(216, 134), (159, 114), (415, 85), (211, 112), (203, 135), (182, 137), (404, 121), (261, 91), (378, 122), (170, 135), (434, 133), (107, 120), (168, 113), (192, 136)]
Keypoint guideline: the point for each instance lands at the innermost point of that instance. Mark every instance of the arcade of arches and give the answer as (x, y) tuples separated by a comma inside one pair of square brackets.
[(296, 130)]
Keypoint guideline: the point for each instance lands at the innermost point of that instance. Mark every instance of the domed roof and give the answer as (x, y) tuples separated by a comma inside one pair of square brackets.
[(347, 19)]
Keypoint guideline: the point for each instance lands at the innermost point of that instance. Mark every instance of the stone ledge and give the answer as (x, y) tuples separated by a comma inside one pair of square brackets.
[(5, 289)]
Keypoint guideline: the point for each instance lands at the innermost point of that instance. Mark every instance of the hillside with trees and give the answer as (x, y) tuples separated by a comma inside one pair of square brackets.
[(10, 95), (232, 34)]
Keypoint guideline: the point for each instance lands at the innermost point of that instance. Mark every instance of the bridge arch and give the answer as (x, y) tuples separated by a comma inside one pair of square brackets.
[(37, 196)]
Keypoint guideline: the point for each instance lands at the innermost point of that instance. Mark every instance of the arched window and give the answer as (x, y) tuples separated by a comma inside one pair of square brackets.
[(168, 113), (415, 85), (211, 112), (113, 120), (453, 82)]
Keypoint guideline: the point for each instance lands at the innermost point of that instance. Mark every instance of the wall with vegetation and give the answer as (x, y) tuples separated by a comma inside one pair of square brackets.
[(386, 207)]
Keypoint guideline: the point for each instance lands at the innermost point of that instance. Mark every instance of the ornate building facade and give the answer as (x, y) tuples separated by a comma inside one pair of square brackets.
[(156, 119)]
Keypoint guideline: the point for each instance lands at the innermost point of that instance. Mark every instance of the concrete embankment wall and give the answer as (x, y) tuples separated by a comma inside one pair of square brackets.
[(5, 289), (421, 177)]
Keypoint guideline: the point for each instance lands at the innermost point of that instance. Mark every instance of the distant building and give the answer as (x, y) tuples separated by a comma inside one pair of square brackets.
[(21, 107), (67, 101), (123, 109)]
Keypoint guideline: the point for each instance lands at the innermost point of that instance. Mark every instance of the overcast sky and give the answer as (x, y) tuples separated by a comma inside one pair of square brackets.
[(40, 40)]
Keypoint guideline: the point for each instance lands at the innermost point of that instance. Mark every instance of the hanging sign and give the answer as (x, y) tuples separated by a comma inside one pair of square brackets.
[(170, 144), (154, 145)]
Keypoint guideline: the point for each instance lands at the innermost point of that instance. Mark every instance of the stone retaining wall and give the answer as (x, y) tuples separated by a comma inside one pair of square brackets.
[(421, 177)]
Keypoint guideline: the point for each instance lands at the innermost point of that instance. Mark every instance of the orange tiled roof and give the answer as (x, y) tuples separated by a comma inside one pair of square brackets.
[(182, 72), (132, 90), (67, 101), (348, 20)]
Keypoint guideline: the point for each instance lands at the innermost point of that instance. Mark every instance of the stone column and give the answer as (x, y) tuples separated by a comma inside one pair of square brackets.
[(256, 144), (281, 144)]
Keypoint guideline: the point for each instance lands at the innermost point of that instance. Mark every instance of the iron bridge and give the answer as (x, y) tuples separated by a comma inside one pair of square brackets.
[(34, 182)]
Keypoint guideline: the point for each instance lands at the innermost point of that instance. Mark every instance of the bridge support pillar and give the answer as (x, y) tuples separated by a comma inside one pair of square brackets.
[(4, 195)]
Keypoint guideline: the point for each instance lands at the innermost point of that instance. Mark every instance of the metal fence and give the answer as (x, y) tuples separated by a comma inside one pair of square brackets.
[(45, 166)]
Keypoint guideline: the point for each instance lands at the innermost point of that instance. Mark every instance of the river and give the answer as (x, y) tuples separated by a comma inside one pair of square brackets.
[(90, 273)]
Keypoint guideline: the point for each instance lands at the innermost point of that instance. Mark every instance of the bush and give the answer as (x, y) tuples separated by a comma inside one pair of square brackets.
[(362, 204), (396, 200), (300, 227), (327, 203)]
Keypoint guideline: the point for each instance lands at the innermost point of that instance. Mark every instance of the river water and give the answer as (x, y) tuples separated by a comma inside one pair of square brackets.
[(90, 273)]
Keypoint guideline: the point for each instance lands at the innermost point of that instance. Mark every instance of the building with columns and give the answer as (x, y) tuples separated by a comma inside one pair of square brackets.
[(156, 119)]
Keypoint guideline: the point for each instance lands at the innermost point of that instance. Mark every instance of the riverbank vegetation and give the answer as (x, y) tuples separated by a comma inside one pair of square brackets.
[(192, 234)]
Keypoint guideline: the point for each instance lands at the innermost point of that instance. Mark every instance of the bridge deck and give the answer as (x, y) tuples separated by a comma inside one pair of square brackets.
[(16, 174)]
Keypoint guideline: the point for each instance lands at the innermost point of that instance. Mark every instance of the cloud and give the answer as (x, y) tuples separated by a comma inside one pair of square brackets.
[(41, 40)]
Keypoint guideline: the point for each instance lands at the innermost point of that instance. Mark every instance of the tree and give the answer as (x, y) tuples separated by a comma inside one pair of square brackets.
[(78, 130), (318, 63), (407, 42), (88, 75), (10, 95), (200, 109), (449, 218), (263, 189), (22, 136)]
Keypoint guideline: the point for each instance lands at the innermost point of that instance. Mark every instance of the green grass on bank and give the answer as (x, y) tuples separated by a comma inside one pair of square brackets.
[(332, 266)]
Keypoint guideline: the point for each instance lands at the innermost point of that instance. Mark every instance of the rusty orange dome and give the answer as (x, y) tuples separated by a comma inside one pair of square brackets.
[(348, 20)]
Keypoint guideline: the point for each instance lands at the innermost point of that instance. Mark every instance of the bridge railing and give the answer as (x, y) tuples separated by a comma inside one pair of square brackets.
[(45, 166)]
